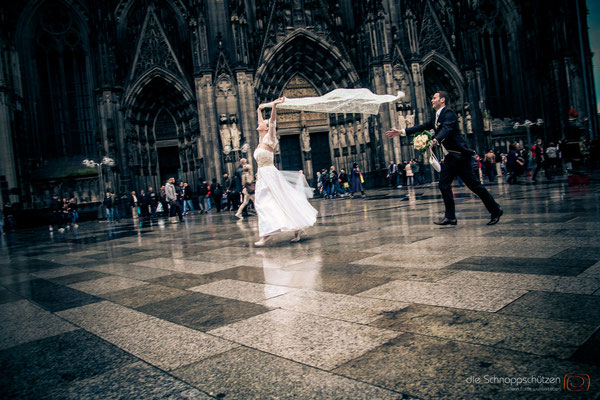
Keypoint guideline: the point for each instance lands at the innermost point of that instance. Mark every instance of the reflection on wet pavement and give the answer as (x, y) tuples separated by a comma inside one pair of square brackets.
[(375, 302)]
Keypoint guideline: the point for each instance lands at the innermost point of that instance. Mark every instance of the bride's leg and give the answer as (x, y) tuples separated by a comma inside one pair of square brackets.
[(297, 235), (262, 241)]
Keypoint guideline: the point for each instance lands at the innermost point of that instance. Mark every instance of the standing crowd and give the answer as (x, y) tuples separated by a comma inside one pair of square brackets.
[(332, 184), (178, 199)]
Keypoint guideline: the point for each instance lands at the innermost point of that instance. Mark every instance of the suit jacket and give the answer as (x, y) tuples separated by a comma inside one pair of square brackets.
[(447, 132)]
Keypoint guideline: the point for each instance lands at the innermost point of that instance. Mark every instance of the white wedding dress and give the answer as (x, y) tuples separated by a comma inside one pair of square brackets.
[(280, 206)]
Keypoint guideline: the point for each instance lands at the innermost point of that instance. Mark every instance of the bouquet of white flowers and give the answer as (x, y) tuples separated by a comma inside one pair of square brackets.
[(422, 141)]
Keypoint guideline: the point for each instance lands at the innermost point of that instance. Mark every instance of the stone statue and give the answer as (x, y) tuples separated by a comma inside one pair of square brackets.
[(276, 148), (359, 133), (401, 121), (305, 140), (460, 123), (236, 135), (225, 132), (335, 139), (487, 120), (366, 133), (469, 123), (343, 138), (350, 133), (410, 119)]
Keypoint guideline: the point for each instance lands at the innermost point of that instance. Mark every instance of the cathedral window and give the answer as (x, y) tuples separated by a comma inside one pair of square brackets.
[(64, 103)]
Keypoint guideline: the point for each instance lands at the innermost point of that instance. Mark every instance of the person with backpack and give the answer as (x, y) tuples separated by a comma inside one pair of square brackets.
[(217, 193), (188, 204), (202, 193)]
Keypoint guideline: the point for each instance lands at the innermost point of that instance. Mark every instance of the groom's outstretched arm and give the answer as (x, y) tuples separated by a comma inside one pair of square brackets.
[(409, 131)]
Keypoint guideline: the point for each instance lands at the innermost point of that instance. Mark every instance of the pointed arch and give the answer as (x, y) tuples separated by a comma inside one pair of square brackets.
[(164, 117), (138, 86), (299, 85), (161, 126), (447, 67), (304, 51)]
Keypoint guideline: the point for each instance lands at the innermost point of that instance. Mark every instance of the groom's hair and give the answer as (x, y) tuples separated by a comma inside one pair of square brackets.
[(444, 95)]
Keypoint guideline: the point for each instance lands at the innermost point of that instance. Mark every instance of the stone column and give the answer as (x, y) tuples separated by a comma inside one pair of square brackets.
[(419, 103), (247, 115), (8, 166), (207, 120), (112, 135), (382, 75)]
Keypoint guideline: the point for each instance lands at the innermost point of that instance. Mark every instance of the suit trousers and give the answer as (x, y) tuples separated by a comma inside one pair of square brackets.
[(460, 166)]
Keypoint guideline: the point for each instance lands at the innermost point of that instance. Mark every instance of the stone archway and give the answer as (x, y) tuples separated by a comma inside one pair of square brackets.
[(306, 65), (162, 132), (440, 73), (301, 134)]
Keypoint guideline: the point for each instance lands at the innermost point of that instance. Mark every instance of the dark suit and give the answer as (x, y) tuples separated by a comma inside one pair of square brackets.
[(457, 162)]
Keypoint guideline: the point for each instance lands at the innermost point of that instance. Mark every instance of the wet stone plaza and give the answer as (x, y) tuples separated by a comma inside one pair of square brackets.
[(375, 302)]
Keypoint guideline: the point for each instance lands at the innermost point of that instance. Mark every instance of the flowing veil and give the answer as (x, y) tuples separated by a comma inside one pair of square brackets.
[(298, 181), (348, 101)]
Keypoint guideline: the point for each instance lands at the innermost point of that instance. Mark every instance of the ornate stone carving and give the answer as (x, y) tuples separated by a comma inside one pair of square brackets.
[(224, 87), (154, 48), (401, 77)]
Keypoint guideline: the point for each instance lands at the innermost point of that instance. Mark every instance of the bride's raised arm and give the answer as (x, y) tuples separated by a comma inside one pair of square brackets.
[(273, 119), (259, 112)]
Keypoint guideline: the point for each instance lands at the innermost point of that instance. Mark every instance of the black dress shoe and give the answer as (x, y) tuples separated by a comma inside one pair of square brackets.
[(447, 221), (496, 218)]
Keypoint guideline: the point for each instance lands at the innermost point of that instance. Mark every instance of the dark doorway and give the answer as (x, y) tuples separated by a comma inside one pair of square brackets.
[(321, 155), (168, 162), (291, 160)]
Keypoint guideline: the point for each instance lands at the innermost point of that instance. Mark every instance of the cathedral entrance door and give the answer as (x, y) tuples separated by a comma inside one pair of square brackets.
[(168, 162), (321, 154), (291, 160)]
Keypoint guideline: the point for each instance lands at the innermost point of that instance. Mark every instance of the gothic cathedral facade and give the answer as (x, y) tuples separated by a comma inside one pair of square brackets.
[(170, 87)]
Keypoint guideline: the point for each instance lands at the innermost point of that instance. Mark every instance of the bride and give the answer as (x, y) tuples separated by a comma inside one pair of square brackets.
[(280, 206)]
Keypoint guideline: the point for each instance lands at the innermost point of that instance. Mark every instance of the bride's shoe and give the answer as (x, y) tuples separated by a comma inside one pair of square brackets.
[(262, 241), (297, 236)]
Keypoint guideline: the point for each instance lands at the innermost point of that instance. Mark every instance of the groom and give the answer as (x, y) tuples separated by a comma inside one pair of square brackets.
[(457, 159)]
